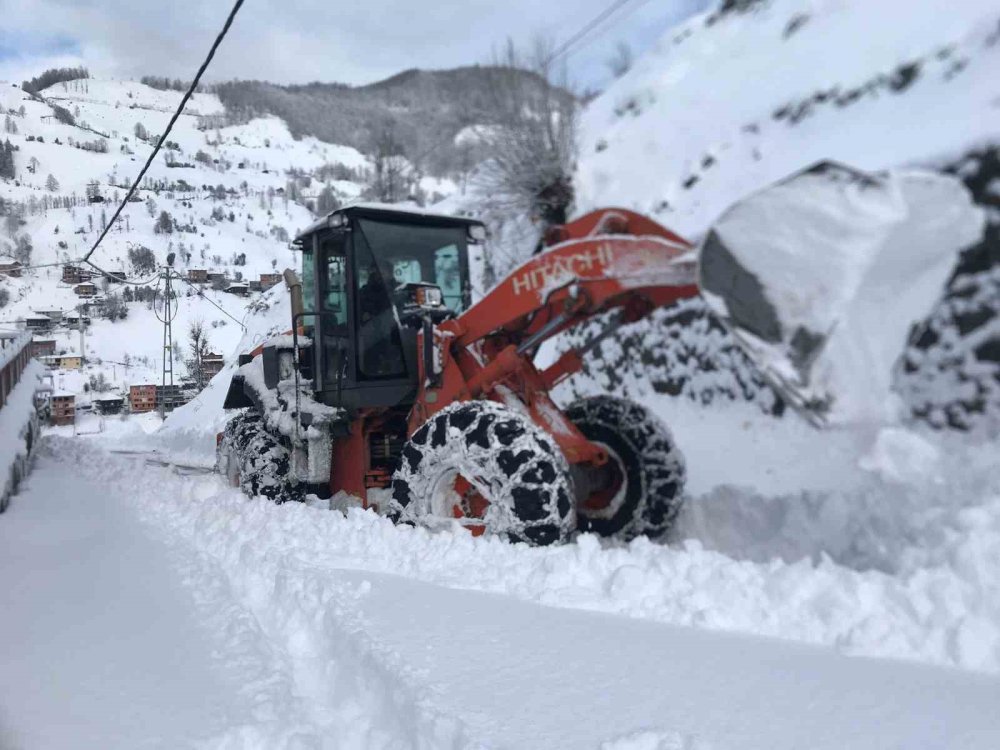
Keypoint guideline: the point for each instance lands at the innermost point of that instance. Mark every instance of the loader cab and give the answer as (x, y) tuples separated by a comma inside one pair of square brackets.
[(355, 264)]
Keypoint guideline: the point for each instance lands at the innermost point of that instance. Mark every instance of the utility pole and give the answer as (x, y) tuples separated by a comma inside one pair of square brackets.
[(83, 336), (168, 349)]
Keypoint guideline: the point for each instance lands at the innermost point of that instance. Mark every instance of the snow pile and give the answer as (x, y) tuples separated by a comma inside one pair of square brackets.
[(823, 275), (874, 569)]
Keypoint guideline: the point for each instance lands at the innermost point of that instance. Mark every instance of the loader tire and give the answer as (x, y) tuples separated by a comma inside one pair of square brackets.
[(488, 468), (650, 475), (253, 459)]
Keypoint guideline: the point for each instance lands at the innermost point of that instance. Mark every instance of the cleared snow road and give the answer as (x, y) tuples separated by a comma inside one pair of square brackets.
[(162, 608), (99, 643)]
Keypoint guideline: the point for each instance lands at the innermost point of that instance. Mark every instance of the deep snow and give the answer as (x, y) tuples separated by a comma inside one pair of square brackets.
[(245, 624)]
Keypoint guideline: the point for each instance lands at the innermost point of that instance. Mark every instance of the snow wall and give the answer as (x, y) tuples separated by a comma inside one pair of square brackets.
[(19, 430)]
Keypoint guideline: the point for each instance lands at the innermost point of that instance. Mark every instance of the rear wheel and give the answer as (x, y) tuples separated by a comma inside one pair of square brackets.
[(489, 468), (640, 490), (251, 458)]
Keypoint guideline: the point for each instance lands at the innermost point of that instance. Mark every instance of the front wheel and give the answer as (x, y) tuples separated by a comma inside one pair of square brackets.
[(640, 490), (251, 458), (489, 468)]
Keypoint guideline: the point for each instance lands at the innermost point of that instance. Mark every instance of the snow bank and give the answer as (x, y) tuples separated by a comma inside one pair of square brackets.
[(16, 414), (933, 596)]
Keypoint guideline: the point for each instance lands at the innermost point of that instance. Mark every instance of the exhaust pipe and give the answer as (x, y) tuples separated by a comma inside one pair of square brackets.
[(295, 291)]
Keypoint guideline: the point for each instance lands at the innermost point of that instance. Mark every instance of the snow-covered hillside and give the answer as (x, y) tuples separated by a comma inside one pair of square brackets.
[(732, 101), (752, 91), (234, 197)]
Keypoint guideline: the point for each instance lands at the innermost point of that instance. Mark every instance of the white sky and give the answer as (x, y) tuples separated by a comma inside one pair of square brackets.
[(306, 40)]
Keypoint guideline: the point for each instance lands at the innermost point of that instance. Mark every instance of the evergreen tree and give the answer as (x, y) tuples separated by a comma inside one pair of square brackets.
[(164, 224), (7, 161), (51, 184)]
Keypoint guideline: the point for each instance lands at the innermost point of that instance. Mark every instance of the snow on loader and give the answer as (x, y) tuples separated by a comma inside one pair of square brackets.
[(392, 391)]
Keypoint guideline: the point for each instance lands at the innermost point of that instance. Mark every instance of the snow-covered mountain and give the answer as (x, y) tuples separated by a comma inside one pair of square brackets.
[(752, 91), (233, 198)]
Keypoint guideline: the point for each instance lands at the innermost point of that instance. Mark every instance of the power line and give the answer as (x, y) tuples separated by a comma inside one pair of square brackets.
[(600, 18), (163, 137), (121, 279), (201, 293)]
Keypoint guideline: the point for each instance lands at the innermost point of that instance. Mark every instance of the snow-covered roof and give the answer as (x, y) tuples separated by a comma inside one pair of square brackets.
[(398, 208)]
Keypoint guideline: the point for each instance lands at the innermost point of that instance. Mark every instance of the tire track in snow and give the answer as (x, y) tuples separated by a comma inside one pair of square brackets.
[(312, 676)]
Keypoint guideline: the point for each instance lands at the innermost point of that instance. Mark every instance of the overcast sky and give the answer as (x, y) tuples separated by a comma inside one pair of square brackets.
[(288, 41)]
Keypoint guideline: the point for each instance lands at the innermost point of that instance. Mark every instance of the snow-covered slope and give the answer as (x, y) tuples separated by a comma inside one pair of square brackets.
[(732, 101), (752, 91), (234, 196)]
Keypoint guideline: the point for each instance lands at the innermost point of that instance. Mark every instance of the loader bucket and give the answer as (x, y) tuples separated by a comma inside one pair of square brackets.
[(821, 276)]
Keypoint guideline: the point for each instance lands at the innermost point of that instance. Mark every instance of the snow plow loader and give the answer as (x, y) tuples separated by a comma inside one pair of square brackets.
[(393, 391)]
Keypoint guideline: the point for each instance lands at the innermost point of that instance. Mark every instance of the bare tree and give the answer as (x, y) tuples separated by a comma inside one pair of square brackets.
[(388, 182), (198, 347), (531, 149), (621, 61)]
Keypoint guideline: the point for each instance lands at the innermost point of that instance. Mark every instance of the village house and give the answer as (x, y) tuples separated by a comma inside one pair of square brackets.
[(169, 397), (63, 408), (255, 286), (61, 361), (73, 319), (56, 315), (75, 274), (11, 268), (142, 398), (115, 276), (267, 280), (85, 290), (43, 347), (212, 364), (37, 322), (197, 275), (108, 403), (216, 276)]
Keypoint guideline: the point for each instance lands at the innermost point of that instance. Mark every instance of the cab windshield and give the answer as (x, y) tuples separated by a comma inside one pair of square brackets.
[(386, 256)]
